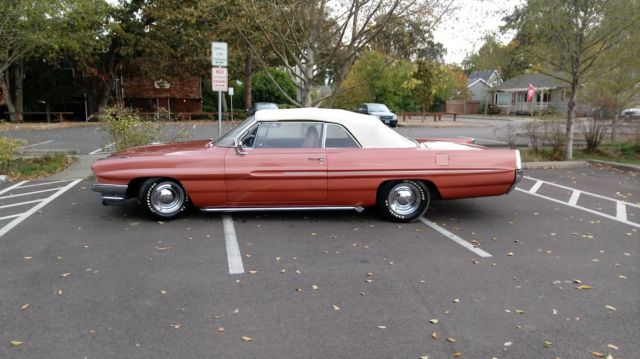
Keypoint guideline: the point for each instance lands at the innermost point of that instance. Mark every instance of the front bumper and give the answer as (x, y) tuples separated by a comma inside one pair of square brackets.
[(112, 194)]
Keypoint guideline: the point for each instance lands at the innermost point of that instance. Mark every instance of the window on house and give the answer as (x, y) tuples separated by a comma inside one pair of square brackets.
[(503, 99)]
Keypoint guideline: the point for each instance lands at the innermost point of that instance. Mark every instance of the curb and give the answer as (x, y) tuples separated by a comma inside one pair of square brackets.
[(555, 164), (620, 166)]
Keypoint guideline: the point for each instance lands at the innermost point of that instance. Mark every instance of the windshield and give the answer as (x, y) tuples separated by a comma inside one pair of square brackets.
[(266, 106), (377, 107), (228, 139)]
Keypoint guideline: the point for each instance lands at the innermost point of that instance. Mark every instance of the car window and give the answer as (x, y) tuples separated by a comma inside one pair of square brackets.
[(289, 135), (339, 137), (378, 107)]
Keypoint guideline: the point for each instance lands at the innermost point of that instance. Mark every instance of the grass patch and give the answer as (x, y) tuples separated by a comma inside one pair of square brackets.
[(616, 152), (30, 168)]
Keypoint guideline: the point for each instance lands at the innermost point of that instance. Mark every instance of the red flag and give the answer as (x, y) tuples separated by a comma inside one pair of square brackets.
[(531, 92)]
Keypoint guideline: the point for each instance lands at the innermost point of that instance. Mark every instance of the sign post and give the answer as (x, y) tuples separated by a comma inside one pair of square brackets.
[(219, 75), (231, 99)]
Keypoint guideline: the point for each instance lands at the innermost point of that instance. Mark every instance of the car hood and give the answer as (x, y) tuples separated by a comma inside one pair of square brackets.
[(167, 149)]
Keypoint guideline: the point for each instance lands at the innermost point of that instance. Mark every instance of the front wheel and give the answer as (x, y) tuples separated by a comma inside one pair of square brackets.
[(162, 198), (403, 201)]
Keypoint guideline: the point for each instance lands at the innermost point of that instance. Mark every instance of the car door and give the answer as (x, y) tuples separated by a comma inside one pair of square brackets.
[(282, 163)]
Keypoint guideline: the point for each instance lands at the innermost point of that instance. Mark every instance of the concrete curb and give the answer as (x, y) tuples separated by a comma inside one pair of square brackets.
[(620, 166), (555, 164)]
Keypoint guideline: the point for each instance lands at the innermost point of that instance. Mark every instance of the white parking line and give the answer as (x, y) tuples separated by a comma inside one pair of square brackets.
[(102, 149), (456, 239), (11, 216), (621, 206), (36, 144), (12, 187), (29, 193), (42, 183), (21, 203), (9, 226), (233, 250)]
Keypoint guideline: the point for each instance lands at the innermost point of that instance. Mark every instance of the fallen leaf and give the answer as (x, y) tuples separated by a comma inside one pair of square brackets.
[(221, 330), (368, 280), (16, 343), (434, 335), (335, 307), (622, 276), (369, 274), (299, 290), (456, 300), (160, 249), (611, 346), (253, 271), (555, 312), (433, 321), (547, 343), (246, 339), (508, 344), (519, 311), (314, 287), (584, 286), (451, 340), (175, 326), (381, 327), (24, 306), (64, 275), (457, 354), (28, 258), (610, 307), (59, 292), (236, 311), (510, 254), (424, 357), (577, 281), (597, 354), (283, 270)]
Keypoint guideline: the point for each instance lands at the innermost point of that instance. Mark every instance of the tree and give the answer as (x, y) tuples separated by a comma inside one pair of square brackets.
[(319, 41), (507, 59), (376, 78), (569, 37), (46, 31), (423, 89), (264, 89), (450, 83)]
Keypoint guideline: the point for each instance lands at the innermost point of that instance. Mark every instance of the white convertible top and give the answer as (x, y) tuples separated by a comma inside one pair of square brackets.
[(368, 130)]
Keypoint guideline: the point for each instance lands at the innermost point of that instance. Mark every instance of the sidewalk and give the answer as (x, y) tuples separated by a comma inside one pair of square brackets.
[(81, 169)]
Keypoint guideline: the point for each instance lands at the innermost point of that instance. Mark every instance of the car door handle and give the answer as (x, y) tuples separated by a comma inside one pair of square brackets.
[(321, 159)]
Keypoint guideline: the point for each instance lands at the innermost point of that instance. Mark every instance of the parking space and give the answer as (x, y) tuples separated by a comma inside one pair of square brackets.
[(538, 273)]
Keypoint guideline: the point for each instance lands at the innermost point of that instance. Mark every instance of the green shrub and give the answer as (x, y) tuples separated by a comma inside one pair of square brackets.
[(8, 148), (128, 129)]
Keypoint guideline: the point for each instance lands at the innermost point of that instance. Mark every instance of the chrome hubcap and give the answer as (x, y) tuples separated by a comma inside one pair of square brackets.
[(167, 198), (404, 199)]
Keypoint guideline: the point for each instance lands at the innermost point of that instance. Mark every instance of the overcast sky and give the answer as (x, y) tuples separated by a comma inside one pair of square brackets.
[(462, 29)]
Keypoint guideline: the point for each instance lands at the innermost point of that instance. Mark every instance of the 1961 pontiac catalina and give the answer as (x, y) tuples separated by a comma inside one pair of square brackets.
[(306, 159)]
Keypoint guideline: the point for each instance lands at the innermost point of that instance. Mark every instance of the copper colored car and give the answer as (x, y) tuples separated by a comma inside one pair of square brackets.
[(306, 159)]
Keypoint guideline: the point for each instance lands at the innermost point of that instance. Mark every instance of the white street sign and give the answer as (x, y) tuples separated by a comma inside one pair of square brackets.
[(230, 91), (219, 54), (219, 79)]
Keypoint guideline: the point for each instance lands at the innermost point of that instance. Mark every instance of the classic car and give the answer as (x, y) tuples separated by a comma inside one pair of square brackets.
[(305, 159)]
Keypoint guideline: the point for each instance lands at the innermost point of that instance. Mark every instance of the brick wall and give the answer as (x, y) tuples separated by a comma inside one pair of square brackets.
[(187, 87)]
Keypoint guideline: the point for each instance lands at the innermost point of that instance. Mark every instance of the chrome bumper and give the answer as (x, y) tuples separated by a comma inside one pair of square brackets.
[(519, 172), (112, 194)]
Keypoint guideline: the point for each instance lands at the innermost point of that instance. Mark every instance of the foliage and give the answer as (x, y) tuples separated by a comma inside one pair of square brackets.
[(127, 128), (265, 90), (28, 168), (450, 84), (568, 37), (423, 89), (376, 77), (594, 132), (510, 60), (8, 148), (407, 37)]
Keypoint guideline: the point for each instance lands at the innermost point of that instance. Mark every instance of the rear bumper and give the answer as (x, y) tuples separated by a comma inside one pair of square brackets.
[(519, 172), (112, 194)]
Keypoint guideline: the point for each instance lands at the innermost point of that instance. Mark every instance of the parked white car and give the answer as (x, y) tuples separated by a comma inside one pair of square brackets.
[(631, 112)]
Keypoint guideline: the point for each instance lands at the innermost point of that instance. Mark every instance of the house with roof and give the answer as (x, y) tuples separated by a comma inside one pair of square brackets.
[(482, 83), (551, 94)]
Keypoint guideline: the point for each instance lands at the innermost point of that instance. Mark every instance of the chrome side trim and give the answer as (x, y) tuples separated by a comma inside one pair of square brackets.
[(279, 209)]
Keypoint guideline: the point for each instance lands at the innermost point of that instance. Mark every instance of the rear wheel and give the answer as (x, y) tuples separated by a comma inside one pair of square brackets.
[(162, 198), (403, 201)]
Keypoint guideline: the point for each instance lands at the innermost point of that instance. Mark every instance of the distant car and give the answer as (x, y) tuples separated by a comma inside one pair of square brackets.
[(631, 112), (306, 159), (381, 111), (261, 106)]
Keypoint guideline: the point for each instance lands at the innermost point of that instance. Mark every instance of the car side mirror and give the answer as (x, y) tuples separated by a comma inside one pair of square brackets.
[(240, 149)]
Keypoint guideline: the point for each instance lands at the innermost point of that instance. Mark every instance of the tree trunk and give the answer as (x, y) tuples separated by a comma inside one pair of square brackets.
[(308, 79), (248, 86), (19, 89), (4, 83), (571, 116), (614, 125)]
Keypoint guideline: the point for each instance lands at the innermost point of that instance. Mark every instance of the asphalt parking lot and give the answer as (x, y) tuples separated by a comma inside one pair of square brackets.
[(550, 270)]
